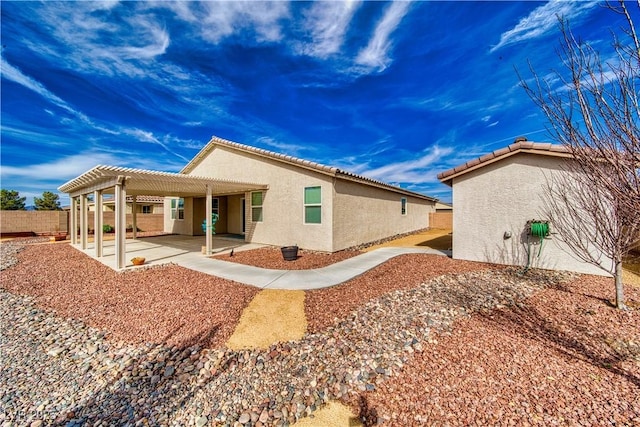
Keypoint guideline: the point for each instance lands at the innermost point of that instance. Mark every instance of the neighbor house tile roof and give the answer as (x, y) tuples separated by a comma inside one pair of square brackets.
[(306, 164), (517, 147)]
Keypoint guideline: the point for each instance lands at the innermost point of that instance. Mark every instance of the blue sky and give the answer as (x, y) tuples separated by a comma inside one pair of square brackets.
[(394, 91)]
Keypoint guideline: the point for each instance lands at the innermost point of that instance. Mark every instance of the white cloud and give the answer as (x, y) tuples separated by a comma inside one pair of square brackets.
[(328, 22), (417, 170), (375, 55), (282, 147), (224, 18), (14, 74), (64, 168), (97, 45), (543, 20), (149, 137), (490, 125)]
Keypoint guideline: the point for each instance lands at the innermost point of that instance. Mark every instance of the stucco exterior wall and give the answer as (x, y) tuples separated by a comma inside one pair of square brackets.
[(365, 214), (283, 208), (500, 198), (179, 226)]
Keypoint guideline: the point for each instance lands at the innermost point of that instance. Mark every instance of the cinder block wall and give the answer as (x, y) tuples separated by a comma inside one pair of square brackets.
[(441, 220), (38, 222), (145, 222)]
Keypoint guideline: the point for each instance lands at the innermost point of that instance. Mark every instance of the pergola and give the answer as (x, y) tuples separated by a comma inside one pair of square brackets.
[(136, 182)]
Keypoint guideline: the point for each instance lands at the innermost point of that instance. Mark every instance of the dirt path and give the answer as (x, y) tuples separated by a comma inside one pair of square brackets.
[(275, 316), (434, 238), (272, 316)]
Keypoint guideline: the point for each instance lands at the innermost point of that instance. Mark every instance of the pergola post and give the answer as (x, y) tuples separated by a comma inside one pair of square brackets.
[(209, 225), (121, 219), (97, 222), (134, 216), (73, 221), (84, 219)]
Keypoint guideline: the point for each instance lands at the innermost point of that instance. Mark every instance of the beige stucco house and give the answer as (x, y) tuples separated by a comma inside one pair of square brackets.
[(304, 203), (263, 196), (495, 195)]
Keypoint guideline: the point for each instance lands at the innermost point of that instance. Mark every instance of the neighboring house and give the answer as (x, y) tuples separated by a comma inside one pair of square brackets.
[(495, 195), (443, 207), (269, 198), (307, 204), (144, 205)]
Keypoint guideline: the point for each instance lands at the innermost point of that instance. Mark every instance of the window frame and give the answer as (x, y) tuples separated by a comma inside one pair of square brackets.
[(215, 205), (404, 204), (177, 209), (306, 205), (257, 208), (147, 208)]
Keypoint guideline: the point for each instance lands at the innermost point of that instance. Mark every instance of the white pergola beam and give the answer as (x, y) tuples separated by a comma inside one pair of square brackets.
[(73, 221), (121, 226), (134, 216), (97, 222), (209, 225), (84, 219)]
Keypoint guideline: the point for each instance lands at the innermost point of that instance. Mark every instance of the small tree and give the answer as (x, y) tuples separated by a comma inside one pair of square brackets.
[(49, 202), (595, 113), (10, 200)]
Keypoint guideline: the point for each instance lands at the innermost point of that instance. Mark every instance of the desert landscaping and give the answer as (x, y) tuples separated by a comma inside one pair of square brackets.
[(418, 340)]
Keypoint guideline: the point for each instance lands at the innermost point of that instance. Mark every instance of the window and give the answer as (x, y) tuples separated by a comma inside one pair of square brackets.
[(177, 208), (312, 205), (146, 209), (256, 206), (403, 205), (215, 206)]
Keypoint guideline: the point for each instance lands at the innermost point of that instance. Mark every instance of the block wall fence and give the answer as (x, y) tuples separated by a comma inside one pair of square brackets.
[(53, 222), (442, 220)]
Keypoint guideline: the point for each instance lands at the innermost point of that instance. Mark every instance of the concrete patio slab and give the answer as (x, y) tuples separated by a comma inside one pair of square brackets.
[(186, 251)]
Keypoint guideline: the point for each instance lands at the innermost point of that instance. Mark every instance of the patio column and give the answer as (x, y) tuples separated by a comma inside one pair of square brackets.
[(84, 219), (133, 216), (209, 206), (121, 219), (97, 222), (73, 221)]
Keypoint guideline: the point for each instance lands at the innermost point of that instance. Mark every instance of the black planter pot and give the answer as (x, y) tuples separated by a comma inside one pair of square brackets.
[(289, 253)]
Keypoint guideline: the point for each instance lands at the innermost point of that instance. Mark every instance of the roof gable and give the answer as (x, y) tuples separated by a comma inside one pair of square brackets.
[(545, 149), (305, 164)]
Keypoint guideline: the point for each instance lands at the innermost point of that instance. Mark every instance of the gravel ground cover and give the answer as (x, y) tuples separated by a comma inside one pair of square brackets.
[(167, 304), (272, 258), (411, 355), (324, 306), (562, 357)]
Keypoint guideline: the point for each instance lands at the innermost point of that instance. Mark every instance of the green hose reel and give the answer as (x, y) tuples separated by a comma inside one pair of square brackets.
[(539, 229)]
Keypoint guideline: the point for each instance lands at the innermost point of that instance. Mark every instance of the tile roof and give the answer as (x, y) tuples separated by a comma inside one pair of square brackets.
[(520, 146), (307, 164)]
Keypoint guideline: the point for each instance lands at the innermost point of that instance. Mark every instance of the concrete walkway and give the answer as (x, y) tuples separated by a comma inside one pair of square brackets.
[(301, 279), (186, 252)]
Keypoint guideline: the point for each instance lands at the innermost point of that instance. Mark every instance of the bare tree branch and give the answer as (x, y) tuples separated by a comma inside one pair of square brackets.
[(592, 109)]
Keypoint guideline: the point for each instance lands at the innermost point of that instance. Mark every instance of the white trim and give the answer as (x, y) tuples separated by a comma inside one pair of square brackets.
[(261, 206), (305, 205)]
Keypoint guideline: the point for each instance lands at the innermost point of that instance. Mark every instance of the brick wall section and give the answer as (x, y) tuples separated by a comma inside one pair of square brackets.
[(53, 222), (441, 220), (38, 222), (145, 222)]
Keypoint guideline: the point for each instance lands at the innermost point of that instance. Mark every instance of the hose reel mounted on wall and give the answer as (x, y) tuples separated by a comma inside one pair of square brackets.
[(536, 229)]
